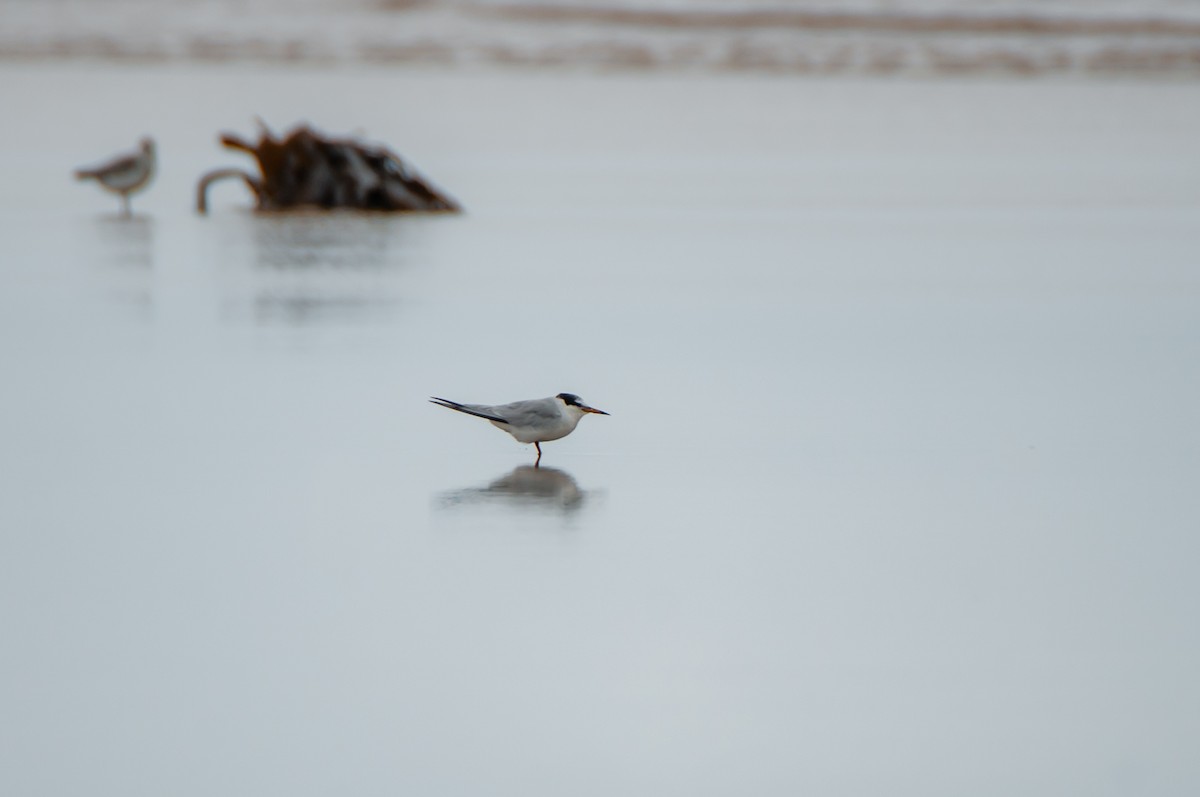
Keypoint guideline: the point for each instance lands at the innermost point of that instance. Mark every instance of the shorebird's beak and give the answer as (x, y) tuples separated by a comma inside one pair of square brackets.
[(594, 410)]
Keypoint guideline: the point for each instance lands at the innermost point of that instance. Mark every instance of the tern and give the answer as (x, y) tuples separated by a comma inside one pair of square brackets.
[(534, 421), (124, 174)]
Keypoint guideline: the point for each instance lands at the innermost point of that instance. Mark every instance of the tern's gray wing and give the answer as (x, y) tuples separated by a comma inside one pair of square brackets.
[(533, 412), (122, 163)]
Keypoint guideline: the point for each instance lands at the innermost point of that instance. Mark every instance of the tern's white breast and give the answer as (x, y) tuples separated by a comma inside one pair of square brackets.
[(541, 431)]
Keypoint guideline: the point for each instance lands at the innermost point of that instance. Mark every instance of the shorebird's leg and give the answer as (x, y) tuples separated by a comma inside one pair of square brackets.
[(126, 209), (538, 446)]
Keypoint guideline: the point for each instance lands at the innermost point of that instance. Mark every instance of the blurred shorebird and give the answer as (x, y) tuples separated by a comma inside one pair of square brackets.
[(534, 421), (124, 174)]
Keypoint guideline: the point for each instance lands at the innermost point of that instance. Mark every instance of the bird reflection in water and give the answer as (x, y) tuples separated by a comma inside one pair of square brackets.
[(124, 246), (124, 241), (525, 487)]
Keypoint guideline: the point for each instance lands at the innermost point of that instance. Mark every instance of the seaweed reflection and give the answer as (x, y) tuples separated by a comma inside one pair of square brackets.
[(311, 267)]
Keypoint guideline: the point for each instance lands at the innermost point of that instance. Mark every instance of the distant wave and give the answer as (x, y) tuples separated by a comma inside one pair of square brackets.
[(893, 22), (919, 37)]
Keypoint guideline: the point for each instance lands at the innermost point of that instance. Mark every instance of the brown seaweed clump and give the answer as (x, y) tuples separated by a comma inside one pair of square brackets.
[(306, 169)]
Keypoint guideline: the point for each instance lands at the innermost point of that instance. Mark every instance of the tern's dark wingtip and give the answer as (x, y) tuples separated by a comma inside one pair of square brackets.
[(454, 405)]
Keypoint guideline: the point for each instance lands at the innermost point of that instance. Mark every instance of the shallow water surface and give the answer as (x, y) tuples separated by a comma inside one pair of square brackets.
[(897, 495)]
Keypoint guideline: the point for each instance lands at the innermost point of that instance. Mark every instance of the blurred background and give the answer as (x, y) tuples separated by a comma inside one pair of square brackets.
[(894, 305)]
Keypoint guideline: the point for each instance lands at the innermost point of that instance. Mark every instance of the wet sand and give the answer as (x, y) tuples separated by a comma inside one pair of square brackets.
[(897, 494)]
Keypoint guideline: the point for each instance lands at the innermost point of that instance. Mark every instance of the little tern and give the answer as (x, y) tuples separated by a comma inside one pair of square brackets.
[(534, 421), (125, 174)]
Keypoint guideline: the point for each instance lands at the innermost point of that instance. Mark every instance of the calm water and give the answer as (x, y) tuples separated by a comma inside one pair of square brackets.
[(897, 495)]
